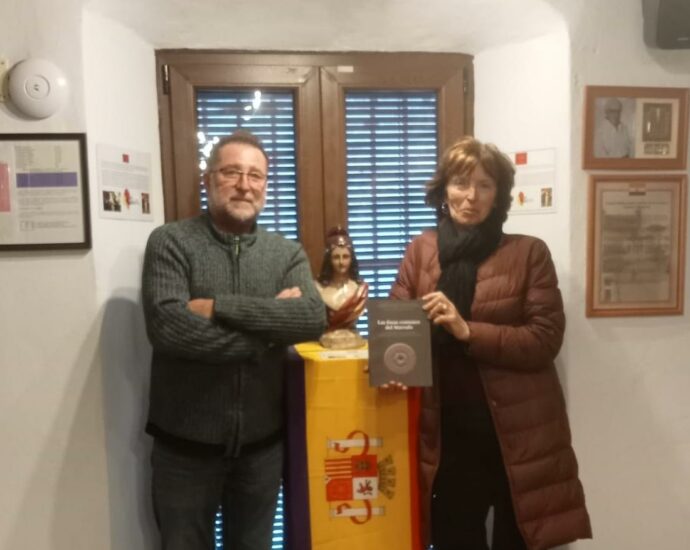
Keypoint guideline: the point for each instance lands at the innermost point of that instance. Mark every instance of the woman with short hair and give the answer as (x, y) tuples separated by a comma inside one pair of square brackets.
[(493, 429)]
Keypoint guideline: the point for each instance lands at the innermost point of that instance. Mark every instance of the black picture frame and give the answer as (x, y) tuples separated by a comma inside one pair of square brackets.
[(44, 192)]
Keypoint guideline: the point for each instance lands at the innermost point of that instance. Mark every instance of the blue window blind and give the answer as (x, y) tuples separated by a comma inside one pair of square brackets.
[(278, 534), (392, 145), (269, 115)]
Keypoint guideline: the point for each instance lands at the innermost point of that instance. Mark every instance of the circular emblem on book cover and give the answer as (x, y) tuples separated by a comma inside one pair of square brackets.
[(399, 358)]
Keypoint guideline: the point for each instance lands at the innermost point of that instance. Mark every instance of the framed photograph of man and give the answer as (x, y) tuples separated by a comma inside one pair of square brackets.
[(635, 128), (636, 245)]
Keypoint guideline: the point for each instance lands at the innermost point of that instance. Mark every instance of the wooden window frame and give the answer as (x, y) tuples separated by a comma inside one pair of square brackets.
[(319, 82)]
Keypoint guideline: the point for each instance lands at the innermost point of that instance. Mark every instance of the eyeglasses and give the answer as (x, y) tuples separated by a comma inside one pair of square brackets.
[(233, 175)]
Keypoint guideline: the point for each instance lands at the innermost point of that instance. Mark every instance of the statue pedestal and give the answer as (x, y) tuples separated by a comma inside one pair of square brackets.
[(352, 456), (342, 338)]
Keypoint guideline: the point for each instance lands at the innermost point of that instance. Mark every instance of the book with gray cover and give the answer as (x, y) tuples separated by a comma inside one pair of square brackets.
[(399, 343)]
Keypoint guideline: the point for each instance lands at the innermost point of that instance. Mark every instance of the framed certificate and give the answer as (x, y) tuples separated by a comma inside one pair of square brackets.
[(636, 245), (44, 199)]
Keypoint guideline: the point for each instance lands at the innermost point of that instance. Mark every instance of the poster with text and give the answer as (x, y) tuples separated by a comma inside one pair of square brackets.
[(535, 181), (125, 183)]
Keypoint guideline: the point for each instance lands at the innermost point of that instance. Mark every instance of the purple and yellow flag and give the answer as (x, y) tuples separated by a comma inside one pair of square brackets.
[(358, 458)]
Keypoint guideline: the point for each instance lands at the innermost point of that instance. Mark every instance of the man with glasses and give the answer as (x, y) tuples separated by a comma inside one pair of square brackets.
[(223, 299), (612, 138)]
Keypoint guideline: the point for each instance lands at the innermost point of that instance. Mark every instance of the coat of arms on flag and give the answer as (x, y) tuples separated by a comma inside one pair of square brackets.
[(357, 477), (357, 446)]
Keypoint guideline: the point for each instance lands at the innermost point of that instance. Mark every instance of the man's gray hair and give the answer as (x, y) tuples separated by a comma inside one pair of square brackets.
[(238, 136)]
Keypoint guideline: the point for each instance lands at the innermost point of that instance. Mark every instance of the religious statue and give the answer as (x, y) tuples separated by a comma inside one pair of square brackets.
[(342, 290)]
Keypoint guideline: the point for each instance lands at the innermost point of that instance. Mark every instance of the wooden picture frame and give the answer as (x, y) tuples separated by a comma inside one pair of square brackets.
[(44, 192), (636, 245), (633, 128)]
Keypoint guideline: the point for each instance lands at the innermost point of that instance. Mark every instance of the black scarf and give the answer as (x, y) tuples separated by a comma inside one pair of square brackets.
[(460, 251)]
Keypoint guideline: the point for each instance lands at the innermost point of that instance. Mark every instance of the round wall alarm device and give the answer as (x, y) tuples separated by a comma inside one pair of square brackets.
[(37, 88)]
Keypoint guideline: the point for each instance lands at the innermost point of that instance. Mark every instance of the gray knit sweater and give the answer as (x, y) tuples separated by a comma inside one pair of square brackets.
[(220, 381)]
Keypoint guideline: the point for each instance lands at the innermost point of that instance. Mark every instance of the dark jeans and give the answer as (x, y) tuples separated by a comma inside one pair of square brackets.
[(188, 489), (470, 480)]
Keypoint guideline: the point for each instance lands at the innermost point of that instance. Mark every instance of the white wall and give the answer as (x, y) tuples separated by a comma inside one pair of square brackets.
[(121, 110), (53, 474), (73, 351), (629, 378), (522, 103), (44, 29)]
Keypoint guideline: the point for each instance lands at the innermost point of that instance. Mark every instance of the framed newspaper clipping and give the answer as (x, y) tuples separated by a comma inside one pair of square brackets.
[(636, 245), (635, 128)]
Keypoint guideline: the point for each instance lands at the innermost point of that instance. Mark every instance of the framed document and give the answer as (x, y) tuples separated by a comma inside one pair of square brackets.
[(399, 343), (44, 199), (636, 245), (635, 128)]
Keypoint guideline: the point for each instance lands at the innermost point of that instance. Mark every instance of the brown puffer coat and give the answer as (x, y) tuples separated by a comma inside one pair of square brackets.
[(516, 332)]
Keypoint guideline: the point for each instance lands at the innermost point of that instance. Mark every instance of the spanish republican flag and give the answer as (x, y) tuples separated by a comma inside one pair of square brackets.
[(351, 481)]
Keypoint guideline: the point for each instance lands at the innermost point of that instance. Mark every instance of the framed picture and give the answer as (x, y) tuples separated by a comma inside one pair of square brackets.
[(636, 245), (635, 128), (44, 192)]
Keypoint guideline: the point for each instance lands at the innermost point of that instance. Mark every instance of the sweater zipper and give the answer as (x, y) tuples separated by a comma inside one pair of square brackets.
[(236, 249), (234, 446)]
